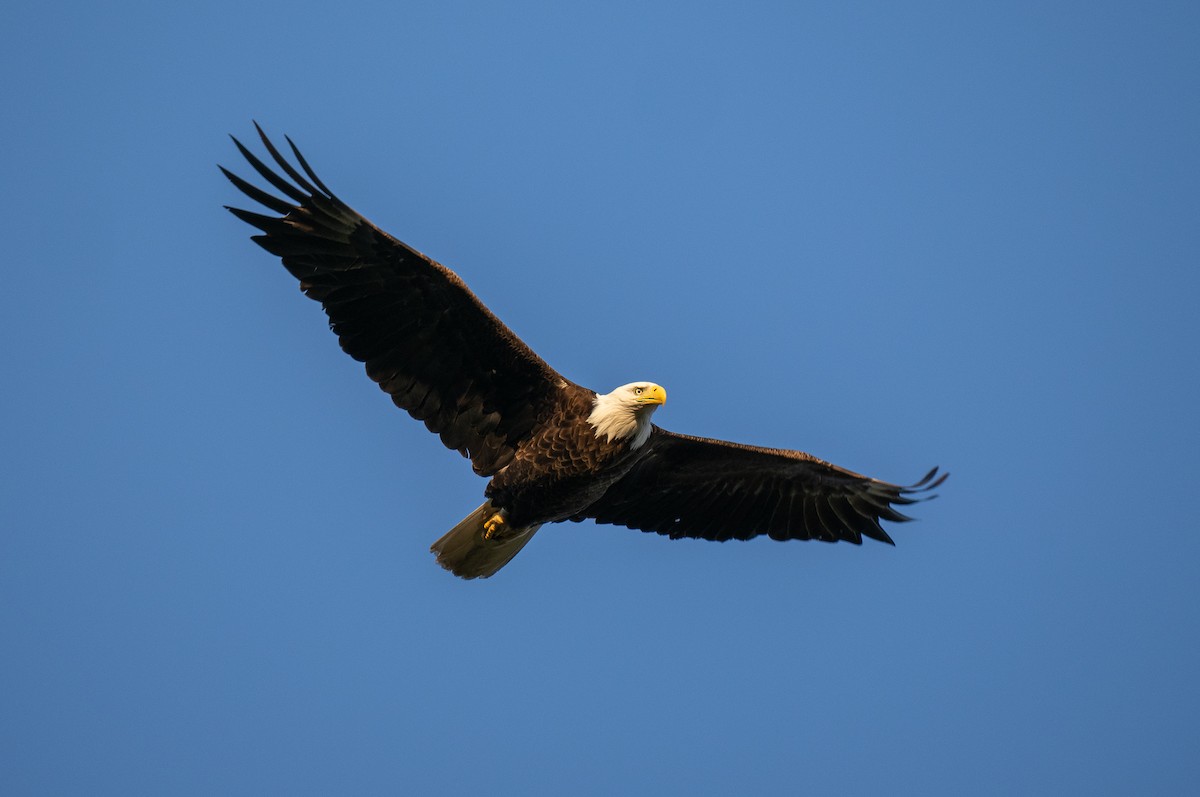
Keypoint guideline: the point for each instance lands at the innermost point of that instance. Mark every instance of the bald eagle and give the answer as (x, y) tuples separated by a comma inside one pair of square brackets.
[(554, 450)]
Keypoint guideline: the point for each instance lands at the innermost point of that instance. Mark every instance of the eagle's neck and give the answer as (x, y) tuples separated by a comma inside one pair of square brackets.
[(615, 418)]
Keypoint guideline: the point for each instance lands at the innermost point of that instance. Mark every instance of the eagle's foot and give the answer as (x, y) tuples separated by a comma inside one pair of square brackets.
[(493, 525)]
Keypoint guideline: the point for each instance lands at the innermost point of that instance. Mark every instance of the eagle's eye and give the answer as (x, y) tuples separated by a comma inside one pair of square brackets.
[(637, 390)]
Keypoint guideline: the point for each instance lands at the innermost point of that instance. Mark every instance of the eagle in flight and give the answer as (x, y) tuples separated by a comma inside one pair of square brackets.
[(553, 450)]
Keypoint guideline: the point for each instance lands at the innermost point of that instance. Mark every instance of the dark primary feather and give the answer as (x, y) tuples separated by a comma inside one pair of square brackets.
[(423, 335), (687, 486)]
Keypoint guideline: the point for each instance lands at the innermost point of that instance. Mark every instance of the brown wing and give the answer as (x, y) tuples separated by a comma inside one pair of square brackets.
[(694, 487), (424, 337)]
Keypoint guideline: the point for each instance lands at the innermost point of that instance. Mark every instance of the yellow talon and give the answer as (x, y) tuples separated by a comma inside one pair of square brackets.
[(493, 525)]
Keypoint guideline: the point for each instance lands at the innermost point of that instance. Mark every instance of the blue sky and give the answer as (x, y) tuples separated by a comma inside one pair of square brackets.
[(893, 235)]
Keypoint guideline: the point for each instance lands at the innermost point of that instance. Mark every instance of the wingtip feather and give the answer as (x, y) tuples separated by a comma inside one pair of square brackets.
[(307, 169)]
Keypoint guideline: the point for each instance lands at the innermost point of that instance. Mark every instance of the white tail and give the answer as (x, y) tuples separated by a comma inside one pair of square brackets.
[(464, 552)]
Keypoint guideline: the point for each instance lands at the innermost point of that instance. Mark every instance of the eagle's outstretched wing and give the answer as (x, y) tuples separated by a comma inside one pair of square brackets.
[(423, 335), (687, 486)]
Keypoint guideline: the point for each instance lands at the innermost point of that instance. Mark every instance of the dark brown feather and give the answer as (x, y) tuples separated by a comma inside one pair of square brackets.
[(684, 486), (424, 337)]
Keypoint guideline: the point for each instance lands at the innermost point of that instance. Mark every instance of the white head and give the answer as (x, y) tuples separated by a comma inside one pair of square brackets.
[(626, 412)]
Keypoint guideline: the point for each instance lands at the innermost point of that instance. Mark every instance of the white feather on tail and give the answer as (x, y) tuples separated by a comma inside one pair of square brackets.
[(465, 553)]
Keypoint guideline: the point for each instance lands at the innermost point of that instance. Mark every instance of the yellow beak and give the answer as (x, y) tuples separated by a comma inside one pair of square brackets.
[(653, 395)]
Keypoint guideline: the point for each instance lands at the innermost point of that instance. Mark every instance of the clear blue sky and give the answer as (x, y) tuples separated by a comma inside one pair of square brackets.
[(894, 235)]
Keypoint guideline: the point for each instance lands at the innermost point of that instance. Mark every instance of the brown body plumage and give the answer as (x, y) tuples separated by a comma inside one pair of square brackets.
[(448, 361)]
